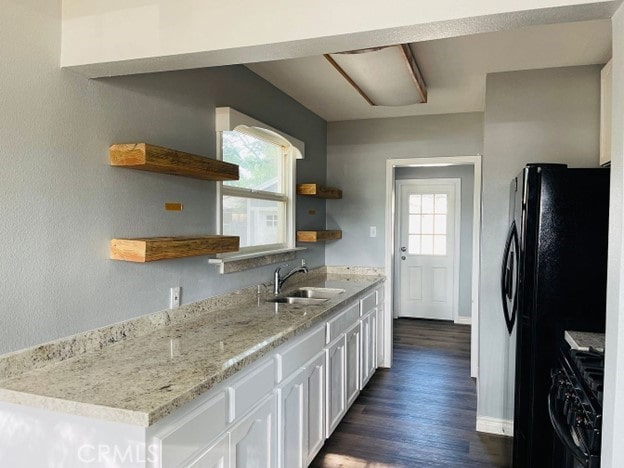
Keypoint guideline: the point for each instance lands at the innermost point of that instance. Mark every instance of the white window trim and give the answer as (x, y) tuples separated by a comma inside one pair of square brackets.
[(229, 119)]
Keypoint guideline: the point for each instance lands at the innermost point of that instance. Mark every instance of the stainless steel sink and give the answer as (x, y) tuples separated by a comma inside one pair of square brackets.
[(298, 300), (319, 293)]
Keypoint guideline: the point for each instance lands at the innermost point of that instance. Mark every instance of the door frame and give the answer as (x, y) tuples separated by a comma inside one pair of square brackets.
[(455, 181), (390, 215)]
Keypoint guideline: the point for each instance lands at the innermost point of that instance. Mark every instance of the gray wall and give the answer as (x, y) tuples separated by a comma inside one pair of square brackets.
[(62, 203), (466, 174), (531, 116), (356, 162)]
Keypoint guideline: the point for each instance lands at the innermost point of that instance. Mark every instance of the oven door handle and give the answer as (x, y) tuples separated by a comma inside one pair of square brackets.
[(561, 429)]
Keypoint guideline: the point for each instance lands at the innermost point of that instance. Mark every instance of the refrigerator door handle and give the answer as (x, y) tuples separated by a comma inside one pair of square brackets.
[(509, 277)]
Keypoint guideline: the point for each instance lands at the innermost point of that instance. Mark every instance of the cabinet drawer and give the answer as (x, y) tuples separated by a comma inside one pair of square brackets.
[(368, 303), (344, 321), (250, 389), (296, 355), (195, 432)]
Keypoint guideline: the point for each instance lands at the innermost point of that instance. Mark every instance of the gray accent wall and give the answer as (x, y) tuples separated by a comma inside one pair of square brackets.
[(356, 162), (62, 203), (547, 115), (466, 175)]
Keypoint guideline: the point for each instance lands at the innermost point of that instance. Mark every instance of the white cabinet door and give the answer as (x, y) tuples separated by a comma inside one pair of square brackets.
[(373, 344), (217, 456), (292, 420), (253, 438), (369, 347), (315, 427), (336, 383), (353, 363), (366, 336)]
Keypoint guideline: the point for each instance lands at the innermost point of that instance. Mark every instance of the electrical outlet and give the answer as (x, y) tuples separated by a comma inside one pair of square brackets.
[(303, 262), (174, 300), (373, 231)]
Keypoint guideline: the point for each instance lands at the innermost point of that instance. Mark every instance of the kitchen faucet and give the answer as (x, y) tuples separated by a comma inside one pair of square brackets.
[(278, 281)]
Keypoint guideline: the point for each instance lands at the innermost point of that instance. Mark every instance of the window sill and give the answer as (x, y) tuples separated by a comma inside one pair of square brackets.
[(235, 263)]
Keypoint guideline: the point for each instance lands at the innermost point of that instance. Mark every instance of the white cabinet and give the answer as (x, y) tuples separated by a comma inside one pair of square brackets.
[(336, 383), (279, 411), (315, 375), (369, 346), (275, 412), (192, 433), (217, 456), (301, 431), (291, 431), (252, 440), (353, 363)]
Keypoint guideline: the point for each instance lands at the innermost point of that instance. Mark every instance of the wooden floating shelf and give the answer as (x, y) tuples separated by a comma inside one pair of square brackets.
[(150, 249), (318, 191), (146, 157), (318, 236)]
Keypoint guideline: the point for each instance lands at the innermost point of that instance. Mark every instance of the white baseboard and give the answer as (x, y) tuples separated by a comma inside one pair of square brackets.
[(495, 426), (461, 320)]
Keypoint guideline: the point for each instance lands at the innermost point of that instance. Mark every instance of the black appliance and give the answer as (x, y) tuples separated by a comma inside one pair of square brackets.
[(553, 278), (575, 409)]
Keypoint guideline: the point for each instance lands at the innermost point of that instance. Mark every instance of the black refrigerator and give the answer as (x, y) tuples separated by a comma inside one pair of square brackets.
[(553, 278)]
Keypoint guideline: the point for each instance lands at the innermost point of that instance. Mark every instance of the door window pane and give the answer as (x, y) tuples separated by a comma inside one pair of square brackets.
[(414, 224), (428, 224), (427, 203), (414, 203), (440, 203), (439, 224)]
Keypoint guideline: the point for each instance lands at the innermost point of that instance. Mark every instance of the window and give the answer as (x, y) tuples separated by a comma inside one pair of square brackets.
[(427, 224), (259, 207)]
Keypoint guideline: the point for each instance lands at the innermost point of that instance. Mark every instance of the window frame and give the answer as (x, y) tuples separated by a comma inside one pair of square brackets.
[(229, 119)]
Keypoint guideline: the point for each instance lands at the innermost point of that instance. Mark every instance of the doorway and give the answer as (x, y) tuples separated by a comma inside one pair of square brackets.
[(391, 248), (428, 234)]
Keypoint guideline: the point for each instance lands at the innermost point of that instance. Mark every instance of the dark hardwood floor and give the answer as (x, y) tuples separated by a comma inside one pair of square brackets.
[(420, 413)]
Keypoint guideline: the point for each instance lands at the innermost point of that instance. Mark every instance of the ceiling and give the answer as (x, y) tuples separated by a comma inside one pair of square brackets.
[(454, 69)]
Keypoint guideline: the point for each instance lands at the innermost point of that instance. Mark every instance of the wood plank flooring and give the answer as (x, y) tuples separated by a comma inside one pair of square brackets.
[(420, 413)]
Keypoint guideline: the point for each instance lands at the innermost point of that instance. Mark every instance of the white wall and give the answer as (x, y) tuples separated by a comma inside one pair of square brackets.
[(530, 116), (356, 162), (113, 37), (613, 407), (466, 175), (61, 203)]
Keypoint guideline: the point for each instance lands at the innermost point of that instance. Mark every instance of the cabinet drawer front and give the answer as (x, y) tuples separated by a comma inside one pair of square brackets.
[(195, 433), (296, 355), (249, 390), (344, 321), (368, 303)]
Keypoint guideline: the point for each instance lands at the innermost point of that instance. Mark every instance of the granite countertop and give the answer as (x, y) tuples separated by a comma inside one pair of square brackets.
[(583, 341), (141, 379)]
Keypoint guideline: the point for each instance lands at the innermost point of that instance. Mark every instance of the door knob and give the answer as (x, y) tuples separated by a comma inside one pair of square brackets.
[(402, 257), (403, 249)]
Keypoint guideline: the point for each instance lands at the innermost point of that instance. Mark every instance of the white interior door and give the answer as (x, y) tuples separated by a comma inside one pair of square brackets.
[(428, 248)]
